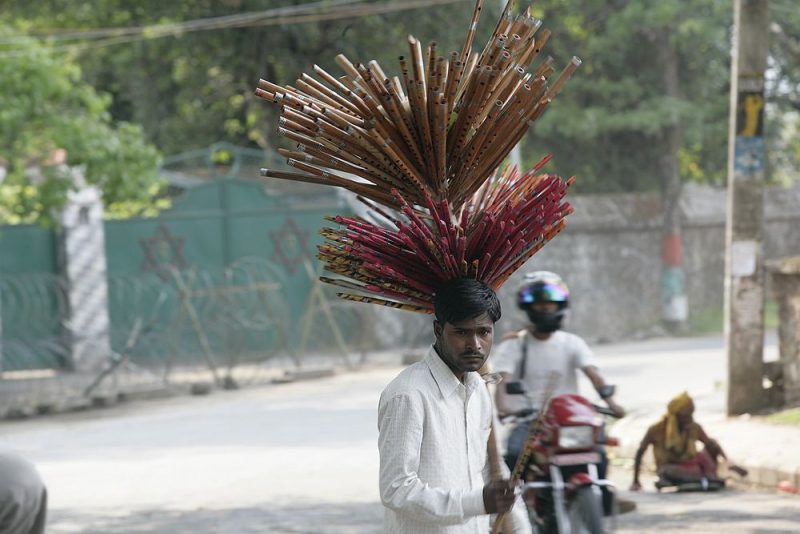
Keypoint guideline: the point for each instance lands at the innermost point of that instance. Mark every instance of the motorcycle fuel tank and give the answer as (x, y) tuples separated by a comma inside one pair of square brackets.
[(571, 410)]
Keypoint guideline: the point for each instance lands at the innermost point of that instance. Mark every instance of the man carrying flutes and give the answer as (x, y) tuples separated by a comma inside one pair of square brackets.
[(435, 420)]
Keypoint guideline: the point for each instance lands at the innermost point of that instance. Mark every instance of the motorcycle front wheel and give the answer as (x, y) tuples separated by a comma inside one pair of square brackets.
[(585, 512)]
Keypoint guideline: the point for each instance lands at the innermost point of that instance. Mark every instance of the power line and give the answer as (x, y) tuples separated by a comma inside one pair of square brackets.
[(225, 21), (280, 16)]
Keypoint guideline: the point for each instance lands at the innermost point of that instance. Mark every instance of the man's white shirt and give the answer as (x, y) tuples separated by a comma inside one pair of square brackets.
[(434, 433), (562, 352)]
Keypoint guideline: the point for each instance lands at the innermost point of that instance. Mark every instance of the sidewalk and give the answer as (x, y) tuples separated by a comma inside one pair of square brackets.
[(770, 452)]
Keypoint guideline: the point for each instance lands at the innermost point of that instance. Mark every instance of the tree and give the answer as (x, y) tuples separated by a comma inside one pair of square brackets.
[(194, 89), (47, 110), (783, 93), (648, 108)]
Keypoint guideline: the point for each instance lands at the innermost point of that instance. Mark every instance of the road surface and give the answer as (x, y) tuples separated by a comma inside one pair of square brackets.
[(302, 458)]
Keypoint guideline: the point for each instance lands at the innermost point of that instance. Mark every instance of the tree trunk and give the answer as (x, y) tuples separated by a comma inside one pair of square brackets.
[(673, 294)]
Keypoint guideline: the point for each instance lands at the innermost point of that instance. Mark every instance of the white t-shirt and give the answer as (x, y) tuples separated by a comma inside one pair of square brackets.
[(562, 352)]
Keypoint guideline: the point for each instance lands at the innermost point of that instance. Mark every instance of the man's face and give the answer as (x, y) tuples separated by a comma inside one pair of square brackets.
[(685, 417), (464, 345), (544, 306)]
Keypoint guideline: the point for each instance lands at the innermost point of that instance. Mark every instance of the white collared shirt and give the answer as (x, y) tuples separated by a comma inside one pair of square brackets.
[(434, 432)]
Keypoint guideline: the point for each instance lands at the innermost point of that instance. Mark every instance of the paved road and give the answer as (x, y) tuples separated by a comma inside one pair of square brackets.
[(301, 458)]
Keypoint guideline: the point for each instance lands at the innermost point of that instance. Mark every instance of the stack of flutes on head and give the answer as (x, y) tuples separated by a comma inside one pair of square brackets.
[(427, 148)]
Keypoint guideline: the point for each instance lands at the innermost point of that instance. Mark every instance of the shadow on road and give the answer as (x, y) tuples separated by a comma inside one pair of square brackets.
[(717, 512), (347, 518)]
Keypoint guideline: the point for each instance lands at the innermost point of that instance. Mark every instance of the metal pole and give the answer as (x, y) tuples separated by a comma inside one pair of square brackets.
[(744, 270)]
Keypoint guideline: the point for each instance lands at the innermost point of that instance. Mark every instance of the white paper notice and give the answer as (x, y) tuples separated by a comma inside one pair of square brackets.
[(743, 258)]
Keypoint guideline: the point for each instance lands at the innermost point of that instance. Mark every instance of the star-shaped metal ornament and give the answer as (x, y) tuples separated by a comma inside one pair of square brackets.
[(291, 245), (162, 252)]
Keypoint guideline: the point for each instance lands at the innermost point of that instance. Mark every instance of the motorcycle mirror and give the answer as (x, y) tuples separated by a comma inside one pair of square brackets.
[(607, 390), (515, 388)]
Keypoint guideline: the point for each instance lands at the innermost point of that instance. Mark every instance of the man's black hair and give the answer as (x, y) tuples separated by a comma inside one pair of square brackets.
[(465, 298)]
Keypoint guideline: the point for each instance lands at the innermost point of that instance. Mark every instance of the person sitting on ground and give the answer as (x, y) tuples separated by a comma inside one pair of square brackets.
[(674, 439)]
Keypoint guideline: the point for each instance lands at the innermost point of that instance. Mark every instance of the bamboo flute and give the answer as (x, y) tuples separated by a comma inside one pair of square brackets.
[(442, 73), (345, 91), (399, 160), (310, 144), (321, 97), (343, 104), (388, 303), (453, 80), (405, 115), (396, 116), (266, 95), (497, 30), (495, 51), (432, 58), (300, 118), (466, 50), (441, 145), (422, 153), (286, 123), (462, 111), (337, 85), (333, 163), (423, 124), (375, 67), (387, 135), (348, 67), (468, 74), (369, 191), (417, 64), (536, 47), (376, 88), (473, 107), (565, 75), (398, 88)]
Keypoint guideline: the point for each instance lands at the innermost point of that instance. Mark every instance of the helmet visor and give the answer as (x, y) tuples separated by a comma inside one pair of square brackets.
[(551, 291)]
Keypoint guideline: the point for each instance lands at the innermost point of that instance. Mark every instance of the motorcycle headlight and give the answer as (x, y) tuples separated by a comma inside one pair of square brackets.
[(576, 437)]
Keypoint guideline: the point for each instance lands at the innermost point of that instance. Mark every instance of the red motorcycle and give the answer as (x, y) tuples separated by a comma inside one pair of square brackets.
[(563, 490)]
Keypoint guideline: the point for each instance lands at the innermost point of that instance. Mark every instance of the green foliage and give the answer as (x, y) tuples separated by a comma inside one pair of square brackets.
[(712, 320), (192, 90), (790, 416), (46, 107), (607, 126)]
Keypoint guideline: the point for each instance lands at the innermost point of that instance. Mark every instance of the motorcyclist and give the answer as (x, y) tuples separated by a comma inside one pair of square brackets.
[(534, 353)]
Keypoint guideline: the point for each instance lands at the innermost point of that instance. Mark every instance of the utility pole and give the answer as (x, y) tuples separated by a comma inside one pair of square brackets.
[(744, 270)]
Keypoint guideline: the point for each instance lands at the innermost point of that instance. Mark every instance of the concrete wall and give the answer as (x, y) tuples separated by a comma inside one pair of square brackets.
[(610, 256)]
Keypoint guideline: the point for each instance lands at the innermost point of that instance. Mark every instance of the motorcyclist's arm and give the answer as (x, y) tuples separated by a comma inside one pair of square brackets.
[(501, 398), (637, 463), (400, 426), (597, 381)]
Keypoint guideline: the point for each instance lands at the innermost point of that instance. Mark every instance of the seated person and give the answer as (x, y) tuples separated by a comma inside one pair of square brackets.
[(674, 439)]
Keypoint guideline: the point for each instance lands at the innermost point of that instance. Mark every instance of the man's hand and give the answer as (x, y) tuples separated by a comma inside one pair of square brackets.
[(618, 410), (636, 486), (498, 496)]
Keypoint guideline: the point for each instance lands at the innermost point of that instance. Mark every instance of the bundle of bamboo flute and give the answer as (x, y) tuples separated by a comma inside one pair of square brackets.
[(427, 148)]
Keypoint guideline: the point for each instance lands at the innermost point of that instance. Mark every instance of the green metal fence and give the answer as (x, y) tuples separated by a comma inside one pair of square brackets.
[(32, 300), (224, 276)]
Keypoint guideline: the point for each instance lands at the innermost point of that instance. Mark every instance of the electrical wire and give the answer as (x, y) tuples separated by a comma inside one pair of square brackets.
[(225, 21), (141, 33)]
